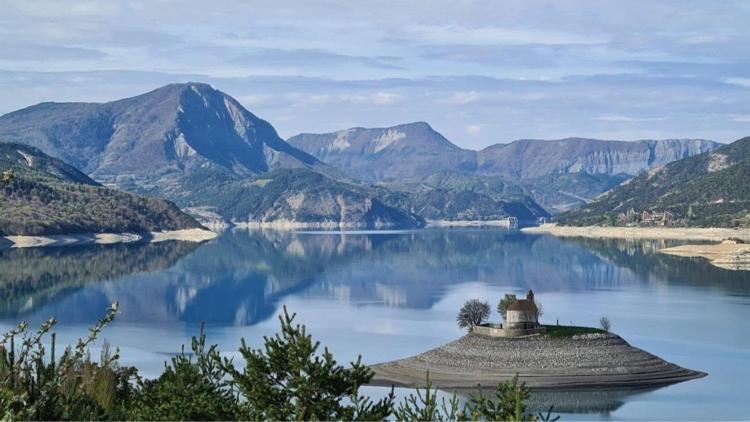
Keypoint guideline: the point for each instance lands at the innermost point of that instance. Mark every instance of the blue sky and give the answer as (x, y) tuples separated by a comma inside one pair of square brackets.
[(480, 72)]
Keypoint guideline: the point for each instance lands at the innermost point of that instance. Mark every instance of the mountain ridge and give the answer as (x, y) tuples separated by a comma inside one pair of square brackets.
[(703, 190), (510, 160)]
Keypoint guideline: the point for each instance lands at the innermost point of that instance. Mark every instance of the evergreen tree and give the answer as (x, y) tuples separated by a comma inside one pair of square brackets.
[(289, 380), (505, 302)]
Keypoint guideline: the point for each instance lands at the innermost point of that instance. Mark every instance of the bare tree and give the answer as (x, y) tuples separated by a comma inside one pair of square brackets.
[(473, 313), (539, 309), (605, 324)]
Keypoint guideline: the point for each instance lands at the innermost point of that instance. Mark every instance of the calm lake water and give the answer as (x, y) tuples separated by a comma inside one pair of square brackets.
[(388, 295)]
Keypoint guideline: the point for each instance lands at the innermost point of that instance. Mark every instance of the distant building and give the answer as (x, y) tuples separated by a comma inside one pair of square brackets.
[(523, 314), (661, 218), (521, 319)]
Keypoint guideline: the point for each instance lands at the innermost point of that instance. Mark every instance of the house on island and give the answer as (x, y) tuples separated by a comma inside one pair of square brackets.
[(521, 319), (523, 314)]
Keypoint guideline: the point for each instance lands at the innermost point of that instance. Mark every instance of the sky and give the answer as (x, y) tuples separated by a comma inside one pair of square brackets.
[(480, 72)]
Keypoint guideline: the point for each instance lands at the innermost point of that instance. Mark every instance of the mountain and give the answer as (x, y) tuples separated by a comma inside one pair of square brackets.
[(559, 174), (709, 189), (416, 150), (408, 150), (47, 196), (157, 143), (301, 197), (561, 192), (530, 158), (451, 195)]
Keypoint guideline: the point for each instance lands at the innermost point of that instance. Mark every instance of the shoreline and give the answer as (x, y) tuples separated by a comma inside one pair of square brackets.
[(734, 257), (542, 362), (58, 240), (660, 233), (505, 223)]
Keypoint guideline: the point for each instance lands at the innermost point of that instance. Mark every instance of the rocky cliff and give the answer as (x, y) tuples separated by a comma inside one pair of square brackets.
[(537, 158)]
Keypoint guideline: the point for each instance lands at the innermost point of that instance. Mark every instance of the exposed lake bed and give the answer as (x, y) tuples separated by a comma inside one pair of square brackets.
[(600, 360), (391, 295)]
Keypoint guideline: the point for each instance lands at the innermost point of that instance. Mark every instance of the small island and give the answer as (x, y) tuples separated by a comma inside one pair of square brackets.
[(543, 356)]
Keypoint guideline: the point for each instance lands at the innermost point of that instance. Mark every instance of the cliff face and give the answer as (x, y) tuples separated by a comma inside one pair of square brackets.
[(402, 151), (303, 198), (536, 158)]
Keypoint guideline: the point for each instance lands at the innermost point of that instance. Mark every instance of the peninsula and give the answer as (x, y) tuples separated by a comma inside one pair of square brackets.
[(541, 361), (731, 254), (543, 356)]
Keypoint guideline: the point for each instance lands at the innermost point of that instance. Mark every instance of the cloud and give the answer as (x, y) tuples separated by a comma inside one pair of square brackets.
[(46, 53), (743, 82), (309, 57), (495, 35), (628, 119), (527, 69), (473, 129), (460, 98), (385, 98)]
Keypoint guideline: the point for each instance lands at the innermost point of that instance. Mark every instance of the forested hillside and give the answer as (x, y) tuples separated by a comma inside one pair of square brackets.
[(710, 189), (42, 195)]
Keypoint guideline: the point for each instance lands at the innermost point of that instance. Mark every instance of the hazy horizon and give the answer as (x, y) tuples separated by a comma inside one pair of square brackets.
[(478, 73)]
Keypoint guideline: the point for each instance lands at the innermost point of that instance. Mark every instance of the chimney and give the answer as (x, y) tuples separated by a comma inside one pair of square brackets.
[(530, 296)]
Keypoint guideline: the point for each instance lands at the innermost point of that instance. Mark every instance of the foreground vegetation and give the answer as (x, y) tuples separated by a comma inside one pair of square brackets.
[(290, 378)]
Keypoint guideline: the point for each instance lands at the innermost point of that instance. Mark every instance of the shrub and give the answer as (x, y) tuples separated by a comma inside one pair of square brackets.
[(188, 390), (288, 379)]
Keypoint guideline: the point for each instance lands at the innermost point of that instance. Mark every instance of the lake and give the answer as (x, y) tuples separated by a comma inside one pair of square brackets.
[(393, 294)]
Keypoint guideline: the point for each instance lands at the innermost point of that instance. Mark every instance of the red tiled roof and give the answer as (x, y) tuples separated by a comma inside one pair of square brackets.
[(524, 306)]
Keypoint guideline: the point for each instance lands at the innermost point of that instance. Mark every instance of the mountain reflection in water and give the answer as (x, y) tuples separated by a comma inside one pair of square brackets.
[(389, 295), (242, 277)]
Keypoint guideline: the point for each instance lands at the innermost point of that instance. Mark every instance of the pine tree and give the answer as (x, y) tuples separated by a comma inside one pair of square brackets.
[(290, 380)]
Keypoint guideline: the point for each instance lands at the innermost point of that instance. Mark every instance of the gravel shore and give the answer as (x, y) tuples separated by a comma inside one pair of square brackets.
[(188, 235), (586, 361), (676, 233), (729, 256)]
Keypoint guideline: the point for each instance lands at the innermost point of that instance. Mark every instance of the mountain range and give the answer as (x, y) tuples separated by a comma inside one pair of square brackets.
[(43, 195), (197, 146), (580, 168), (709, 190)]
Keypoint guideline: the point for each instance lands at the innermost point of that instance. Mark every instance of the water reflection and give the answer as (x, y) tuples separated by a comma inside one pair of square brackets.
[(35, 277), (391, 295), (242, 277)]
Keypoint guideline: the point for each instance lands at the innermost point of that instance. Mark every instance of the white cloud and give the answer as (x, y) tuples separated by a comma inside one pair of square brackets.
[(744, 118), (627, 119), (495, 35), (460, 98), (743, 82), (385, 98), (473, 129)]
